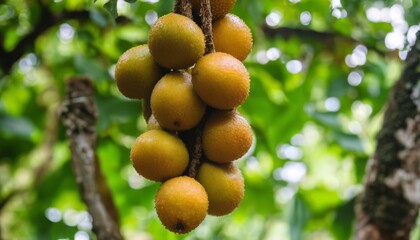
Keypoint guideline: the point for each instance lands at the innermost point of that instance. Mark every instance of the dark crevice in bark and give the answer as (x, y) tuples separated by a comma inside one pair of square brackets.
[(79, 116), (389, 207)]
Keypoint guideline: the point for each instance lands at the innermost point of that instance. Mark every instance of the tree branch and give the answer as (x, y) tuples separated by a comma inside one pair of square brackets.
[(183, 7), (46, 21), (79, 116), (193, 137), (328, 38), (206, 24), (390, 204)]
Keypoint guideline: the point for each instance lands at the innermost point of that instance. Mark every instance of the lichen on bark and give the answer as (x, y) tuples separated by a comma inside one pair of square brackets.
[(390, 203)]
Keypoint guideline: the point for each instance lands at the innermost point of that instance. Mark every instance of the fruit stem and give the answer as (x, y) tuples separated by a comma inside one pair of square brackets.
[(196, 154), (183, 7), (206, 24)]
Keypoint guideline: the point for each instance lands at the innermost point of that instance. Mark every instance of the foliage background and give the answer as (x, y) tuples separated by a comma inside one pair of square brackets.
[(321, 72)]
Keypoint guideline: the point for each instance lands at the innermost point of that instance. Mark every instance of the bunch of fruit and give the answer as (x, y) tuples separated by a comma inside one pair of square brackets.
[(188, 89)]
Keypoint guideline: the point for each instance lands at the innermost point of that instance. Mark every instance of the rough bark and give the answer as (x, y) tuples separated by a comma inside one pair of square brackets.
[(206, 24), (389, 207), (79, 116), (183, 7)]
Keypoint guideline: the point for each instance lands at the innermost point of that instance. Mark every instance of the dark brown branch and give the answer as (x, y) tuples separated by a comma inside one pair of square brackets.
[(79, 116), (206, 24), (47, 20), (183, 7), (390, 204), (328, 38), (195, 148), (194, 137)]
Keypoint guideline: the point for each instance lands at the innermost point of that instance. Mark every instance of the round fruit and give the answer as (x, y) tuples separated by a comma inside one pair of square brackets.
[(158, 155), (224, 185), (136, 72), (174, 103), (181, 204), (221, 80), (227, 136), (176, 42), (219, 8), (231, 35)]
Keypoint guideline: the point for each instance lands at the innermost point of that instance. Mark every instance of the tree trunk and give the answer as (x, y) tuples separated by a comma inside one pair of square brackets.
[(389, 206), (79, 116)]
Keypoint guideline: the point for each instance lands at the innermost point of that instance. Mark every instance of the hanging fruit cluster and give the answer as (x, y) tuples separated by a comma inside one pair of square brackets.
[(194, 131)]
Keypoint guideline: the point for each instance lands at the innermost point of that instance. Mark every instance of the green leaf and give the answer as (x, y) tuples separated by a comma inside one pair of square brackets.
[(298, 216), (349, 141), (360, 167), (343, 220), (326, 199), (111, 6), (90, 67), (116, 110), (99, 16), (329, 119), (16, 126), (130, 1)]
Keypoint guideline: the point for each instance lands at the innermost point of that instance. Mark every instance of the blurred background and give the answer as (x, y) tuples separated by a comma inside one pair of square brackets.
[(320, 73)]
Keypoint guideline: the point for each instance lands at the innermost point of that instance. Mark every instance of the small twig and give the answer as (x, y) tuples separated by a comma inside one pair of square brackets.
[(206, 24), (193, 137), (79, 116), (183, 7), (197, 150)]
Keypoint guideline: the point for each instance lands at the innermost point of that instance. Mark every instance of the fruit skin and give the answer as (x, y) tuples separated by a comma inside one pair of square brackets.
[(176, 42), (231, 35), (174, 102), (219, 8), (158, 155), (227, 136), (181, 204), (136, 72), (221, 80), (224, 185)]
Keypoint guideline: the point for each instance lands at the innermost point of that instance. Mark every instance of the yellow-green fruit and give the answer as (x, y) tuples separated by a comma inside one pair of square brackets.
[(227, 136), (231, 35), (219, 8), (176, 42), (158, 155), (181, 204), (224, 185), (221, 80), (174, 103), (136, 72)]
